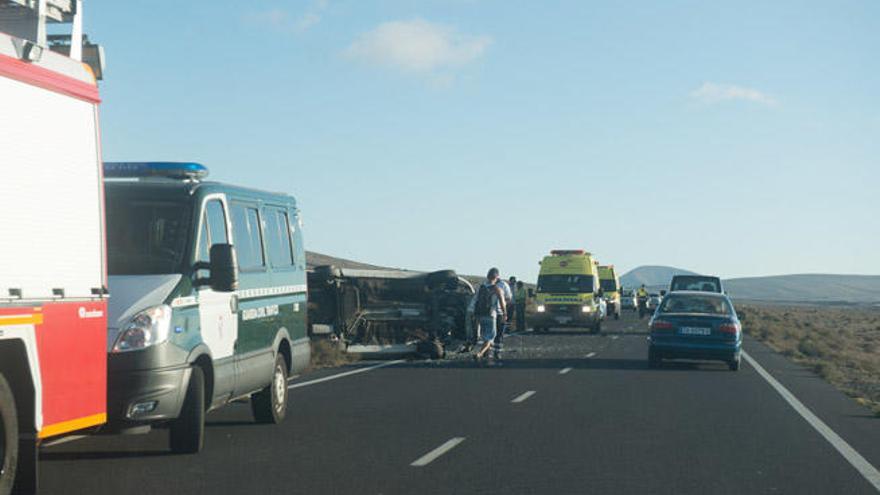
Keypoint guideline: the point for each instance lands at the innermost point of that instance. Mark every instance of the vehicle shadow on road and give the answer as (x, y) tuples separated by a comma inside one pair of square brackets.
[(100, 455)]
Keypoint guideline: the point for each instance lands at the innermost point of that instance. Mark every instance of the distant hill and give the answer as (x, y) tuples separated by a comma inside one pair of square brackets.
[(810, 288), (651, 276), (807, 288), (317, 259)]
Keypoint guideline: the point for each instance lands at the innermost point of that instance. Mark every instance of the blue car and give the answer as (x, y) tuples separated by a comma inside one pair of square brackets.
[(695, 325)]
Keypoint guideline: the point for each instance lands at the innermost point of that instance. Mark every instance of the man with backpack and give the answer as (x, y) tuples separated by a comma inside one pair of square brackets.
[(488, 304)]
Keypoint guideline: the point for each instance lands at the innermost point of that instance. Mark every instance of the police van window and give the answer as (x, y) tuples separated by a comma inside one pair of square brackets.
[(146, 236), (247, 236), (217, 222), (278, 238)]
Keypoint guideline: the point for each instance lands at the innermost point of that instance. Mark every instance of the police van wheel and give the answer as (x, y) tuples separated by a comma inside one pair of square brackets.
[(8, 437), (270, 404), (187, 432)]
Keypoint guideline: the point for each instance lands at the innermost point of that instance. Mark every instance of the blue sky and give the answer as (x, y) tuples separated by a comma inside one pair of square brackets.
[(734, 138)]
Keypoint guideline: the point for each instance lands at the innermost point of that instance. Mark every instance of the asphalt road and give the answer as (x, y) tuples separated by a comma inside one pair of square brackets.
[(597, 421)]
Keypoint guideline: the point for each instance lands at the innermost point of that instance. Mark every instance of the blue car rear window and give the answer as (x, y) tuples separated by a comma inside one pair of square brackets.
[(696, 304)]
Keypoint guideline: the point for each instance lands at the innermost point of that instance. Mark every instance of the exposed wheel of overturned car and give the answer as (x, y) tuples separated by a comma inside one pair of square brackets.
[(328, 271), (441, 277)]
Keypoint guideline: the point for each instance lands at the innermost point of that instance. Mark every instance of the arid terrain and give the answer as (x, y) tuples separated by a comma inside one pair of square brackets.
[(840, 343)]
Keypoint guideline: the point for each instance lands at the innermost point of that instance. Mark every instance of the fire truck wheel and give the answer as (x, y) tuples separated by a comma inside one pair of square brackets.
[(8, 437), (270, 404), (187, 432)]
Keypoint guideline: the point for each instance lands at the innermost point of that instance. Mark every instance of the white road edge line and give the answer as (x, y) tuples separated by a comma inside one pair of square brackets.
[(591, 354), (434, 454), (345, 374), (524, 397), (564, 371), (861, 464)]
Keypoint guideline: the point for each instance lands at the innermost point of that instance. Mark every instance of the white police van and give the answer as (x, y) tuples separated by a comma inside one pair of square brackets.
[(208, 298)]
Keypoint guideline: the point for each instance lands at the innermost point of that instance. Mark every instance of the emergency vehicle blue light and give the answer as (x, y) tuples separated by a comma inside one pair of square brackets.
[(171, 170)]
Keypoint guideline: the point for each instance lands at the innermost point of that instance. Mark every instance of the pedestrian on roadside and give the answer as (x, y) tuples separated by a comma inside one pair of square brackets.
[(488, 303), (503, 321), (511, 304), (521, 299)]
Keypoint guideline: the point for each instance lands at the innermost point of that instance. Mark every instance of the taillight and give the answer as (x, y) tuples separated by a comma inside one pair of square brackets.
[(661, 325), (729, 328)]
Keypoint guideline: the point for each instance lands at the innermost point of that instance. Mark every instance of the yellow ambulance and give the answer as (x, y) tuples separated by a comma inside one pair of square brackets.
[(568, 292), (610, 284)]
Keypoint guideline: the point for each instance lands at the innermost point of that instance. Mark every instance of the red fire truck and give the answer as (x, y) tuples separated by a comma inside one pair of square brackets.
[(53, 297)]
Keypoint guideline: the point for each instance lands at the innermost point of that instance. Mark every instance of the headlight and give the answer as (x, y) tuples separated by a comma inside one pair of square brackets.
[(541, 308), (147, 328), (586, 309)]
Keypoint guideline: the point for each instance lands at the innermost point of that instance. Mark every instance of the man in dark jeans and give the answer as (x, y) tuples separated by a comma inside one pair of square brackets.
[(520, 298), (503, 320)]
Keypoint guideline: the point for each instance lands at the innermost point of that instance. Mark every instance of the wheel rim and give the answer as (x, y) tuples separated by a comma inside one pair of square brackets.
[(279, 389)]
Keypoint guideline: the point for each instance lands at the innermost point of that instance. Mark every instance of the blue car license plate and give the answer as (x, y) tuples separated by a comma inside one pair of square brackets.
[(695, 331)]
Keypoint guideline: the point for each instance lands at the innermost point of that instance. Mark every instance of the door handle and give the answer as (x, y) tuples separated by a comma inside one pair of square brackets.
[(233, 304)]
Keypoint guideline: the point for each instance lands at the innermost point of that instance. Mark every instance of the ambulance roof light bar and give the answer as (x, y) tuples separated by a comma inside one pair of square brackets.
[(567, 252), (167, 170)]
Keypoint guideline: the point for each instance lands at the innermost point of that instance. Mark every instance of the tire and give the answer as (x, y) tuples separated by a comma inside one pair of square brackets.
[(654, 359), (734, 364), (270, 404), (8, 437), (438, 278), (328, 271), (187, 432)]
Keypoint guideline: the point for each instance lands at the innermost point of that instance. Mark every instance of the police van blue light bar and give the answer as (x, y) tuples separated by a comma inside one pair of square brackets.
[(170, 170)]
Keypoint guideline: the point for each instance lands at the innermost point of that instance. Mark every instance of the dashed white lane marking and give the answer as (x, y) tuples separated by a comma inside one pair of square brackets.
[(345, 374), (71, 438), (563, 371), (434, 454), (861, 464), (524, 397), (591, 354), (615, 337)]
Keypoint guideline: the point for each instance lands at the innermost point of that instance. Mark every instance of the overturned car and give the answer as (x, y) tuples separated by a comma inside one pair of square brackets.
[(382, 312)]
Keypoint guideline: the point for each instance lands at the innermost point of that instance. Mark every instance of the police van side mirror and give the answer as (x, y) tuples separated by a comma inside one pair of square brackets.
[(224, 268)]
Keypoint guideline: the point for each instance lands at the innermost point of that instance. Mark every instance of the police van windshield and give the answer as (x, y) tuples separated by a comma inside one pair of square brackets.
[(565, 283), (608, 285), (146, 237)]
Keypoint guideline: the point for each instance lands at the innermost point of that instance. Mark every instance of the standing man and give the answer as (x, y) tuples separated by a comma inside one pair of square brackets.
[(511, 305), (503, 320), (642, 301), (488, 303), (521, 298)]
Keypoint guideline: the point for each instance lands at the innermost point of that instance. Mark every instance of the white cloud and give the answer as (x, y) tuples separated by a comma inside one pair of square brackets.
[(283, 21), (715, 93), (417, 46)]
